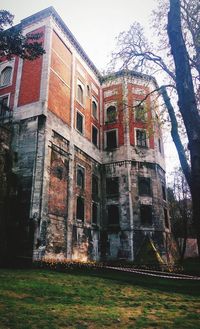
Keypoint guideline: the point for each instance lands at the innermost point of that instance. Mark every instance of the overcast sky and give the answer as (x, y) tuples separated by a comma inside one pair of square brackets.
[(95, 24)]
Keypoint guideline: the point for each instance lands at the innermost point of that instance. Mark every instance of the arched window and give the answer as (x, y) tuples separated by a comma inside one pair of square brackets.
[(80, 94), (94, 109), (111, 113), (6, 76)]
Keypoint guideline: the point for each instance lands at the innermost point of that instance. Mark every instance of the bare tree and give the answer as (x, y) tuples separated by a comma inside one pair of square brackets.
[(180, 72)]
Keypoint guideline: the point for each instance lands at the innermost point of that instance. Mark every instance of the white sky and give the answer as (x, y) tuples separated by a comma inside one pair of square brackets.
[(95, 24)]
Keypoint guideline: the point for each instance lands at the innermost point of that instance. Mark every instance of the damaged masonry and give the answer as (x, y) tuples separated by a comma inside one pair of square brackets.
[(87, 164)]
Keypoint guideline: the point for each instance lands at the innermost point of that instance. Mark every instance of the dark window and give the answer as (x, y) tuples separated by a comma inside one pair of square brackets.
[(94, 135), (80, 208), (163, 192), (111, 113), (80, 94), (146, 215), (113, 214), (141, 138), (95, 187), (144, 186), (94, 109), (94, 213), (88, 90), (6, 76), (111, 139), (3, 105), (79, 122), (80, 176), (166, 218), (112, 186), (59, 172), (159, 145)]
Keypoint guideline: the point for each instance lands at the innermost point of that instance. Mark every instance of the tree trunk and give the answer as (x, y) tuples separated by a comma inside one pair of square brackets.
[(187, 104)]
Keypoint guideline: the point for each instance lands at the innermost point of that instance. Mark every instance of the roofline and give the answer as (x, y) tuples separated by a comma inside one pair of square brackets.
[(127, 73), (50, 11)]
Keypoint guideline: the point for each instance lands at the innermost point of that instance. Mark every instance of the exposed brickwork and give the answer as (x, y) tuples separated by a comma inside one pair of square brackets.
[(31, 77), (59, 98)]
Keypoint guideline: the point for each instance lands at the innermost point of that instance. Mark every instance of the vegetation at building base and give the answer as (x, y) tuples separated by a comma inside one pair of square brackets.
[(46, 299)]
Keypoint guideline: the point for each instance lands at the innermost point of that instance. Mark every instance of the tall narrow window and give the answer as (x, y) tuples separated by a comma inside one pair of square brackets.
[(141, 138), (111, 139), (166, 218), (144, 186), (79, 122), (94, 109), (112, 186), (3, 105), (113, 215), (95, 187), (5, 77), (80, 93), (80, 212), (163, 192), (159, 145), (94, 135), (80, 177), (111, 113), (94, 213), (146, 215)]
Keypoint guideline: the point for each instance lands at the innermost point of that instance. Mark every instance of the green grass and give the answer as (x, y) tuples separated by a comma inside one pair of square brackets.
[(95, 299)]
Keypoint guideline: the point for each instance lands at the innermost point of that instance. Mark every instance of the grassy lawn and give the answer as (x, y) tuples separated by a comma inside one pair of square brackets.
[(88, 299)]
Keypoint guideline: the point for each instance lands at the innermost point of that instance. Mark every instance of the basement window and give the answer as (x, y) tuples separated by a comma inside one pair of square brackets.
[(112, 186), (146, 215), (80, 177), (79, 122), (111, 139), (94, 135), (144, 186), (141, 138), (113, 215), (80, 209)]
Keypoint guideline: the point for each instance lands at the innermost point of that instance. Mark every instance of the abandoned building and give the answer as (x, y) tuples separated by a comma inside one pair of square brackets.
[(86, 154)]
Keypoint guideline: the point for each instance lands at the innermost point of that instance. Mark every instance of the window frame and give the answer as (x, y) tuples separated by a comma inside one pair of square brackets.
[(146, 139), (81, 85), (94, 203), (112, 224), (78, 166), (115, 194), (83, 123), (80, 219), (94, 127), (106, 139), (143, 178), (136, 115), (94, 101), (146, 223), (3, 67), (8, 102)]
